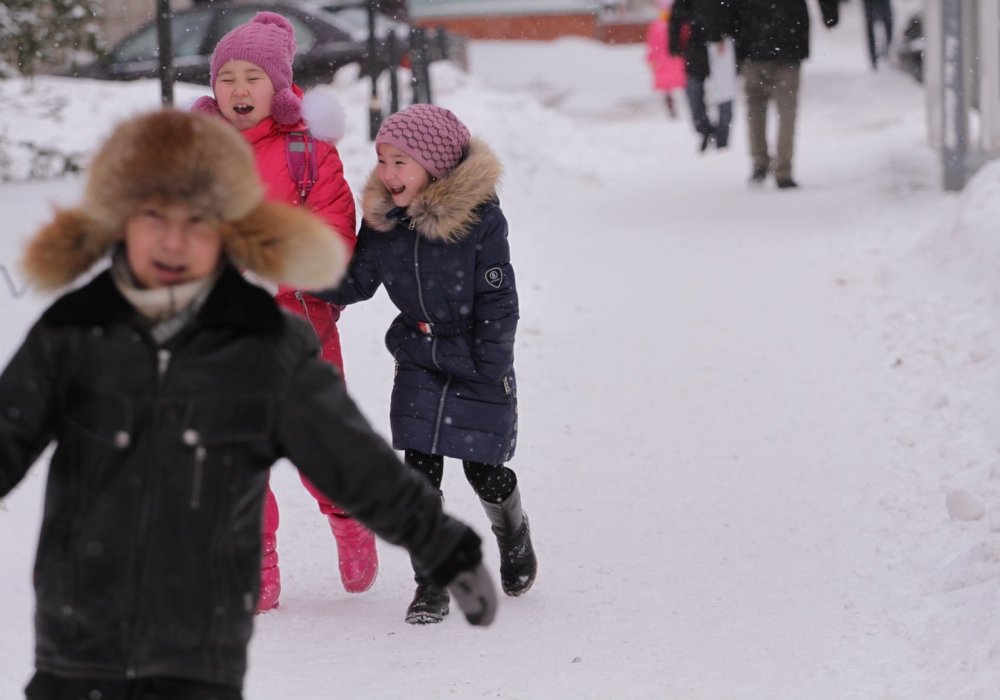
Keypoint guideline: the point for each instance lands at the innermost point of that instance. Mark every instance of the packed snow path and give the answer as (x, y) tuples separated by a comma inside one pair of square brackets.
[(739, 408)]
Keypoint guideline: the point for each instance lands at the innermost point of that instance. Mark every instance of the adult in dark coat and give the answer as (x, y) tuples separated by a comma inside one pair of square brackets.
[(772, 40), (692, 27), (434, 235)]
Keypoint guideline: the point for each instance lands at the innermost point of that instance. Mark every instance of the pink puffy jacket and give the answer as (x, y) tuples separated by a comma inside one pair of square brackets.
[(668, 71)]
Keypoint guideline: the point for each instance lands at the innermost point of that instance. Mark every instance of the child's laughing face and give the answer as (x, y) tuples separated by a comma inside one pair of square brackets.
[(168, 244), (404, 177), (244, 93)]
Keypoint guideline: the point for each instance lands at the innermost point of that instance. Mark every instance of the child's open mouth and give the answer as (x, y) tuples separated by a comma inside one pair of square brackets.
[(397, 190), (242, 110), (169, 273)]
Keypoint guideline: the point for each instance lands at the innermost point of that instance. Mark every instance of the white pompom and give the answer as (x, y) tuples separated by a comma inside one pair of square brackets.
[(963, 505), (324, 114)]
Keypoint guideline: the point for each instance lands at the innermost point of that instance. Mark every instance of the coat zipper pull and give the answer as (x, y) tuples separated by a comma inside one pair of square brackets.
[(162, 362)]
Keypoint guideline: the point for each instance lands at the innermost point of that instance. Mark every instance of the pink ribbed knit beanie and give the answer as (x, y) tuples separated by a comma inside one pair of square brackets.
[(431, 135), (267, 41)]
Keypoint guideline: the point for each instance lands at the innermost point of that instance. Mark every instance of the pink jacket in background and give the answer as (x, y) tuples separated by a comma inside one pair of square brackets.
[(330, 198), (668, 71)]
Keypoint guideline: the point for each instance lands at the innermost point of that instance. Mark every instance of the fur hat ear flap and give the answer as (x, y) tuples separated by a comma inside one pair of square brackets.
[(64, 249), (287, 244), (286, 107), (207, 105)]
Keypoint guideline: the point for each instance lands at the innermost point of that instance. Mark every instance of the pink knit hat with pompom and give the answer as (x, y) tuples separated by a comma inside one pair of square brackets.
[(267, 41), (433, 136)]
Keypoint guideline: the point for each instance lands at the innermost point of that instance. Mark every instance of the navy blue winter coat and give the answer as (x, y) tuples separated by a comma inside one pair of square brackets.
[(445, 263)]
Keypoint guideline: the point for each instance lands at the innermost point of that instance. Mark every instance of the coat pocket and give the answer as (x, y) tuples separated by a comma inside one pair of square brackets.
[(105, 417), (225, 435)]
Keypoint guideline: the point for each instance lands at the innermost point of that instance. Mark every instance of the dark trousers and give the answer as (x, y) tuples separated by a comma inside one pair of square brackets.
[(491, 482), (695, 90), (878, 12), (46, 686), (764, 81)]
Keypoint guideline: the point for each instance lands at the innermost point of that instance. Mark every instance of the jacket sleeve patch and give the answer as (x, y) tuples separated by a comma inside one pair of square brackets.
[(494, 277)]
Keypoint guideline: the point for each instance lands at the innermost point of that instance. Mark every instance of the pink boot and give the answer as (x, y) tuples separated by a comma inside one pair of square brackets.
[(356, 552), (270, 575), (355, 544)]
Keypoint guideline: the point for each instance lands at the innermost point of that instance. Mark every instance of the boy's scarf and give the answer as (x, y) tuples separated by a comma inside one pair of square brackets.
[(166, 309)]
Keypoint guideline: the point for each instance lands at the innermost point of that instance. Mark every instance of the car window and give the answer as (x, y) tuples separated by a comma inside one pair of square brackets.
[(187, 36), (230, 19)]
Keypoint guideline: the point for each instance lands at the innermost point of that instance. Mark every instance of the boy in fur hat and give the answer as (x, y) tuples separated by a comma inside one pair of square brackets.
[(251, 77), (170, 386), (434, 234)]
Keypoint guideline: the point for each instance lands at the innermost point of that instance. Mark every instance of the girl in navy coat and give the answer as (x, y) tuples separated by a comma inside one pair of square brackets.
[(434, 235)]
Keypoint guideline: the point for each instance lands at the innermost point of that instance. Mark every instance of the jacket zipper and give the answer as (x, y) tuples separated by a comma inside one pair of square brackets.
[(427, 318), (199, 474), (162, 365), (440, 415), (305, 311), (420, 296)]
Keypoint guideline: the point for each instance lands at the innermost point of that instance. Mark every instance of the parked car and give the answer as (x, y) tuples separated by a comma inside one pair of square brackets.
[(328, 36), (910, 53)]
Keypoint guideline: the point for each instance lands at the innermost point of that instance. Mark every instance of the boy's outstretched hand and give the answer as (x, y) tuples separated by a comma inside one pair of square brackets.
[(473, 591)]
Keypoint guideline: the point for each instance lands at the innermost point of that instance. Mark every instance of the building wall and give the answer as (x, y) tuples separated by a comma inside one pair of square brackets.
[(531, 27)]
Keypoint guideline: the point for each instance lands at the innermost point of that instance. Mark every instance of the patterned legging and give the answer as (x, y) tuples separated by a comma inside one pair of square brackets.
[(493, 483)]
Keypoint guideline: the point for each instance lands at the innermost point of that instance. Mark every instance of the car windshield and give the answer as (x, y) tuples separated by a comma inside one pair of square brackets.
[(187, 37), (234, 17)]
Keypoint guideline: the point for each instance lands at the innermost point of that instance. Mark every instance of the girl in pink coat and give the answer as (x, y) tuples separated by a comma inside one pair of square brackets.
[(667, 70), (252, 81)]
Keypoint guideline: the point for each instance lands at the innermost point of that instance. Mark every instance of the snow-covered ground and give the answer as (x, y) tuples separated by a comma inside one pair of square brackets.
[(743, 413)]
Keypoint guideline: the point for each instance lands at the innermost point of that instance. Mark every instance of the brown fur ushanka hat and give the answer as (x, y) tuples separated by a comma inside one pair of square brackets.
[(188, 158)]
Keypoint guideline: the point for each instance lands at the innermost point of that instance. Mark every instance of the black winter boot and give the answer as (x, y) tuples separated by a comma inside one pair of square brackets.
[(518, 565), (430, 603)]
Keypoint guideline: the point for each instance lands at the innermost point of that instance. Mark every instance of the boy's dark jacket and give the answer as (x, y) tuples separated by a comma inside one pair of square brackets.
[(159, 471), (445, 261)]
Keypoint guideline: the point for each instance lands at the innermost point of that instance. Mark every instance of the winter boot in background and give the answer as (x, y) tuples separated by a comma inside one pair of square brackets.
[(430, 603), (518, 565), (270, 575), (356, 553)]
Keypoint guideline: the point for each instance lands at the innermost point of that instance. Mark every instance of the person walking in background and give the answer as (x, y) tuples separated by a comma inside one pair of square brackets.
[(772, 40), (878, 12), (433, 233), (667, 69), (720, 86), (702, 22), (251, 77), (170, 385)]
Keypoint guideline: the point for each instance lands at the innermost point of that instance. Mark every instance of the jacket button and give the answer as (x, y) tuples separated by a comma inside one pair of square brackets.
[(190, 437), (122, 439)]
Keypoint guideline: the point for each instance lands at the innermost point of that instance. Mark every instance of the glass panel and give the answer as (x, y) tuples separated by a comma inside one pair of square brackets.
[(304, 36), (187, 37)]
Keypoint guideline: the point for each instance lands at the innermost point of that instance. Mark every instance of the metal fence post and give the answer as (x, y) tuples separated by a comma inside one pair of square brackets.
[(418, 59), (166, 66), (394, 57), (374, 104), (954, 126)]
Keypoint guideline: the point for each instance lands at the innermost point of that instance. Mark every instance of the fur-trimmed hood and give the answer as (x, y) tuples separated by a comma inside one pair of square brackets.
[(202, 162), (447, 208)]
